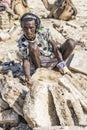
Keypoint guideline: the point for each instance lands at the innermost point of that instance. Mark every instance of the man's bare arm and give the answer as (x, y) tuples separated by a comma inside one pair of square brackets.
[(56, 51), (26, 66)]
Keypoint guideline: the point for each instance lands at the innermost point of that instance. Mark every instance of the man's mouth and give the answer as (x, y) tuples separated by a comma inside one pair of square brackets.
[(30, 36)]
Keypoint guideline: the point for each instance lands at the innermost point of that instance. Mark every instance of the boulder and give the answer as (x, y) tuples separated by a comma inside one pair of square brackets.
[(21, 126), (4, 36), (13, 92), (37, 8), (54, 100), (63, 128), (3, 105), (54, 32), (79, 62), (9, 117), (39, 107)]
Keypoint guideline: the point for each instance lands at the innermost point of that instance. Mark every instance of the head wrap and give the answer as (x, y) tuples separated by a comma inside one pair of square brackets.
[(30, 16)]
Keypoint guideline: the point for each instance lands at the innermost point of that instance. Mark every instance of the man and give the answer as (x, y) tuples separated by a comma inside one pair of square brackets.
[(61, 9), (38, 48)]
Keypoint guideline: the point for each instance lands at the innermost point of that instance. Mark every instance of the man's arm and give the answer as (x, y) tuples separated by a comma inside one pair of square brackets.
[(56, 51), (26, 66)]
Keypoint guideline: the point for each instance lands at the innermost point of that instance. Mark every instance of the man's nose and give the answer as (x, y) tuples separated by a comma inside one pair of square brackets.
[(29, 30)]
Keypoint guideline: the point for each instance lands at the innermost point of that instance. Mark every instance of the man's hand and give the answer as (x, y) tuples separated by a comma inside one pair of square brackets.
[(26, 81), (63, 68)]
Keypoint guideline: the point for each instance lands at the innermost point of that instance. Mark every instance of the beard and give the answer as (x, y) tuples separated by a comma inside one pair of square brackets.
[(30, 36)]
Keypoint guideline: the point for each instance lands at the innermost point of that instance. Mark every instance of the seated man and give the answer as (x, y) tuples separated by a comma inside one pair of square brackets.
[(38, 48), (61, 9)]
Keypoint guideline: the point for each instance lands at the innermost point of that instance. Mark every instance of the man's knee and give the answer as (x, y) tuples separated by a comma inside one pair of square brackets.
[(70, 43)]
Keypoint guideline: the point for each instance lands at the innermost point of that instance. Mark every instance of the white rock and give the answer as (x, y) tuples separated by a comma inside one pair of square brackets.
[(3, 105), (37, 106), (4, 36), (54, 101), (62, 128), (79, 62), (9, 117), (14, 93)]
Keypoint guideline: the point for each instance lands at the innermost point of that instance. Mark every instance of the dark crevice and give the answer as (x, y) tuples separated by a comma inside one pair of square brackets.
[(73, 114), (52, 111)]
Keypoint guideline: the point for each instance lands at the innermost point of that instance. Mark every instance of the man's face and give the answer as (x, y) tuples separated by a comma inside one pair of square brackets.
[(29, 29)]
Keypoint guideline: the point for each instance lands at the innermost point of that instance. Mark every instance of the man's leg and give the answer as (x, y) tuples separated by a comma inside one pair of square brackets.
[(67, 48), (35, 54)]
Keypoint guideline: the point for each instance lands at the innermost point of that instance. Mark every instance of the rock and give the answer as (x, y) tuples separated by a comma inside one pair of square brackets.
[(5, 21), (4, 36), (75, 99), (21, 126), (3, 105), (62, 128), (36, 104), (13, 93), (15, 31), (38, 10), (9, 117), (79, 62), (55, 34), (1, 86), (43, 74), (58, 97), (72, 24), (39, 101)]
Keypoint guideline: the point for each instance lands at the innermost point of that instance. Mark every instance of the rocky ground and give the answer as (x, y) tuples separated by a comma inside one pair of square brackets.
[(15, 108)]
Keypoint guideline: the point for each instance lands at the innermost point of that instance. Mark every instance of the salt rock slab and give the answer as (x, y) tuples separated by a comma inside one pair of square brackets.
[(79, 62), (62, 128), (51, 99), (13, 93), (9, 116), (39, 109), (3, 105), (21, 126)]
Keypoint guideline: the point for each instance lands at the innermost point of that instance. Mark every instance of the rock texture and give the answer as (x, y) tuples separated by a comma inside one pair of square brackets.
[(79, 62), (13, 93), (61, 101), (9, 117), (3, 105), (21, 126), (63, 128), (38, 109), (52, 99)]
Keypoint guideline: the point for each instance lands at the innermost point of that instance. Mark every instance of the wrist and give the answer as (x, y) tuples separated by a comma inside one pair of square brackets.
[(27, 77), (61, 64)]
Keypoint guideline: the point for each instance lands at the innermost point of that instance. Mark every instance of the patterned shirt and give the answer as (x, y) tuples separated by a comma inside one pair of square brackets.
[(43, 37)]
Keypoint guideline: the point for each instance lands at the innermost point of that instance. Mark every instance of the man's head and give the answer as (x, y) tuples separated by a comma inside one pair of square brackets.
[(30, 24)]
